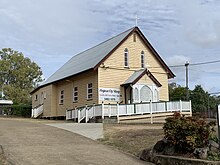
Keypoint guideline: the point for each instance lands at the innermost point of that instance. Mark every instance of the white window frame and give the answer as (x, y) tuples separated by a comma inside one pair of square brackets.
[(126, 59), (153, 89), (75, 94), (36, 97), (61, 99), (142, 59), (45, 95), (89, 91)]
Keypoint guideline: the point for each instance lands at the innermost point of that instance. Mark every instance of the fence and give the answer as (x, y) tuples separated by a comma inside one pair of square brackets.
[(37, 111), (110, 110)]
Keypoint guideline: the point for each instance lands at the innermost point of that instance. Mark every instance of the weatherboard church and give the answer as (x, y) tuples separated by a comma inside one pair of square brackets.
[(124, 69)]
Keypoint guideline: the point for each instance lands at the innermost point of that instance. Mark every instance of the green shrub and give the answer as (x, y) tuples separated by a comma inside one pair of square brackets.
[(21, 110), (187, 133), (214, 156)]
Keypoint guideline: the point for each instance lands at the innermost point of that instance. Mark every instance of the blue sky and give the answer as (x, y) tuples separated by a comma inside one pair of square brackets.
[(50, 32)]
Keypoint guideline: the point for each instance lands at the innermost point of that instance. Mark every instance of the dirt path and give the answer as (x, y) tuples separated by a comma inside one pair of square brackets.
[(28, 143)]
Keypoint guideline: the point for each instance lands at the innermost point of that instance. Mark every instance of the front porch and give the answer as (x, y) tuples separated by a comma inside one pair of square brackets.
[(128, 111)]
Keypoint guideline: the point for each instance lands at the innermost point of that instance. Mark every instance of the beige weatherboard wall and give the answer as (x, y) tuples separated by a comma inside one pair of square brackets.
[(110, 80), (114, 73)]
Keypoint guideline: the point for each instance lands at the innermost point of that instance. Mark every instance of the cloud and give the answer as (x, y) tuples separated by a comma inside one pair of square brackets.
[(51, 31)]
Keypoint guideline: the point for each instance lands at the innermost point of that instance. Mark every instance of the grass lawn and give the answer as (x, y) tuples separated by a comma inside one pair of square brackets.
[(132, 138)]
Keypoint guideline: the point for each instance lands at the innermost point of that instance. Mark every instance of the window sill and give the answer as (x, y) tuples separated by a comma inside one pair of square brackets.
[(75, 101), (127, 67), (89, 99), (60, 103)]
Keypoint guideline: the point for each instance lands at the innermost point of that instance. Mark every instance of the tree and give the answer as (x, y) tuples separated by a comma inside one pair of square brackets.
[(18, 75), (202, 101), (199, 99), (176, 92)]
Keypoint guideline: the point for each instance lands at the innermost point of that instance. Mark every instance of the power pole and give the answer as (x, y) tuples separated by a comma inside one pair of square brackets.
[(187, 80)]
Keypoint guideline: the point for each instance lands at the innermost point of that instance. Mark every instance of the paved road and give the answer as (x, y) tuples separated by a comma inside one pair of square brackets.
[(32, 143)]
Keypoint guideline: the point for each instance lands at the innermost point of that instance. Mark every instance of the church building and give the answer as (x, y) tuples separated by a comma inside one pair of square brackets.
[(124, 69)]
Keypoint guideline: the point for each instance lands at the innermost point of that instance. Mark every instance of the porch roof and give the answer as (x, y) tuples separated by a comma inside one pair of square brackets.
[(137, 75)]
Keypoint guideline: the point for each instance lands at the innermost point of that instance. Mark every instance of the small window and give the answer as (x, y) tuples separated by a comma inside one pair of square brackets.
[(45, 95), (89, 91), (142, 59), (75, 94), (62, 97), (134, 37), (126, 57), (36, 97)]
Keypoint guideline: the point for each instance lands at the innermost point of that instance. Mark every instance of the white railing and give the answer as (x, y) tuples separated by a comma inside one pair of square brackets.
[(37, 111), (109, 110)]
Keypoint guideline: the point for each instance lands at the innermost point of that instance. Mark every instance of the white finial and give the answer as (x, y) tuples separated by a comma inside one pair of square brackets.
[(136, 20)]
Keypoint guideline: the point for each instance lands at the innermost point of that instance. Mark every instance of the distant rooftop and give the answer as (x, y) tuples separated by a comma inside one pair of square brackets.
[(6, 102)]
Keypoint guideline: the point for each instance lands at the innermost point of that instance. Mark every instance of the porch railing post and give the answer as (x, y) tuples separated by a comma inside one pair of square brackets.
[(151, 109), (78, 115), (117, 113), (67, 114), (86, 114), (109, 110), (102, 111), (190, 107), (75, 114), (32, 113), (181, 108), (93, 109)]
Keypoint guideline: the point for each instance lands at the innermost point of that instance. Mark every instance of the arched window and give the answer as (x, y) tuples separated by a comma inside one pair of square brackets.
[(156, 95), (145, 94), (142, 59), (136, 95), (126, 57)]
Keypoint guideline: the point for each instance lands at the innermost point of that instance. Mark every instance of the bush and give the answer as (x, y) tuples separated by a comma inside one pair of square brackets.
[(21, 110), (187, 133)]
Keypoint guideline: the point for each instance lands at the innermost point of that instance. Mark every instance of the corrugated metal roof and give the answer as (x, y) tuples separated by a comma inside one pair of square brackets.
[(137, 75), (87, 59), (134, 76)]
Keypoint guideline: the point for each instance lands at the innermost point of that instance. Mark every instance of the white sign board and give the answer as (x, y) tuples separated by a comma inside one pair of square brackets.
[(219, 115), (109, 94)]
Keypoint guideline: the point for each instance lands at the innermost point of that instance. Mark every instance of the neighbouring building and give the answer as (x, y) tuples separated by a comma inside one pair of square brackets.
[(124, 69), (5, 107)]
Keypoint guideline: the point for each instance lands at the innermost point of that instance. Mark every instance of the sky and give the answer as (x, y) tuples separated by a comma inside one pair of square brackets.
[(50, 32)]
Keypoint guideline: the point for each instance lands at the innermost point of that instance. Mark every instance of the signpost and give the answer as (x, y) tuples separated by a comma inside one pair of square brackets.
[(218, 118)]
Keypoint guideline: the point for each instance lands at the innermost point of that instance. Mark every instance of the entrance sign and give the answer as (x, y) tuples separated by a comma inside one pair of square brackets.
[(218, 119), (109, 94)]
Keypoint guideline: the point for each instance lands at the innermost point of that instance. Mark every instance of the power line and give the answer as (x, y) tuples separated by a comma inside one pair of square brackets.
[(204, 71), (204, 63), (214, 93), (192, 64), (200, 63)]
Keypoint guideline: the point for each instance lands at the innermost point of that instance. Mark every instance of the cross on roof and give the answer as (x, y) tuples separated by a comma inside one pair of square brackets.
[(136, 20)]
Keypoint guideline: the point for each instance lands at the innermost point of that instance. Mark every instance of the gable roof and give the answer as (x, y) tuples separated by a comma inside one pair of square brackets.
[(137, 75), (95, 56), (87, 59)]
